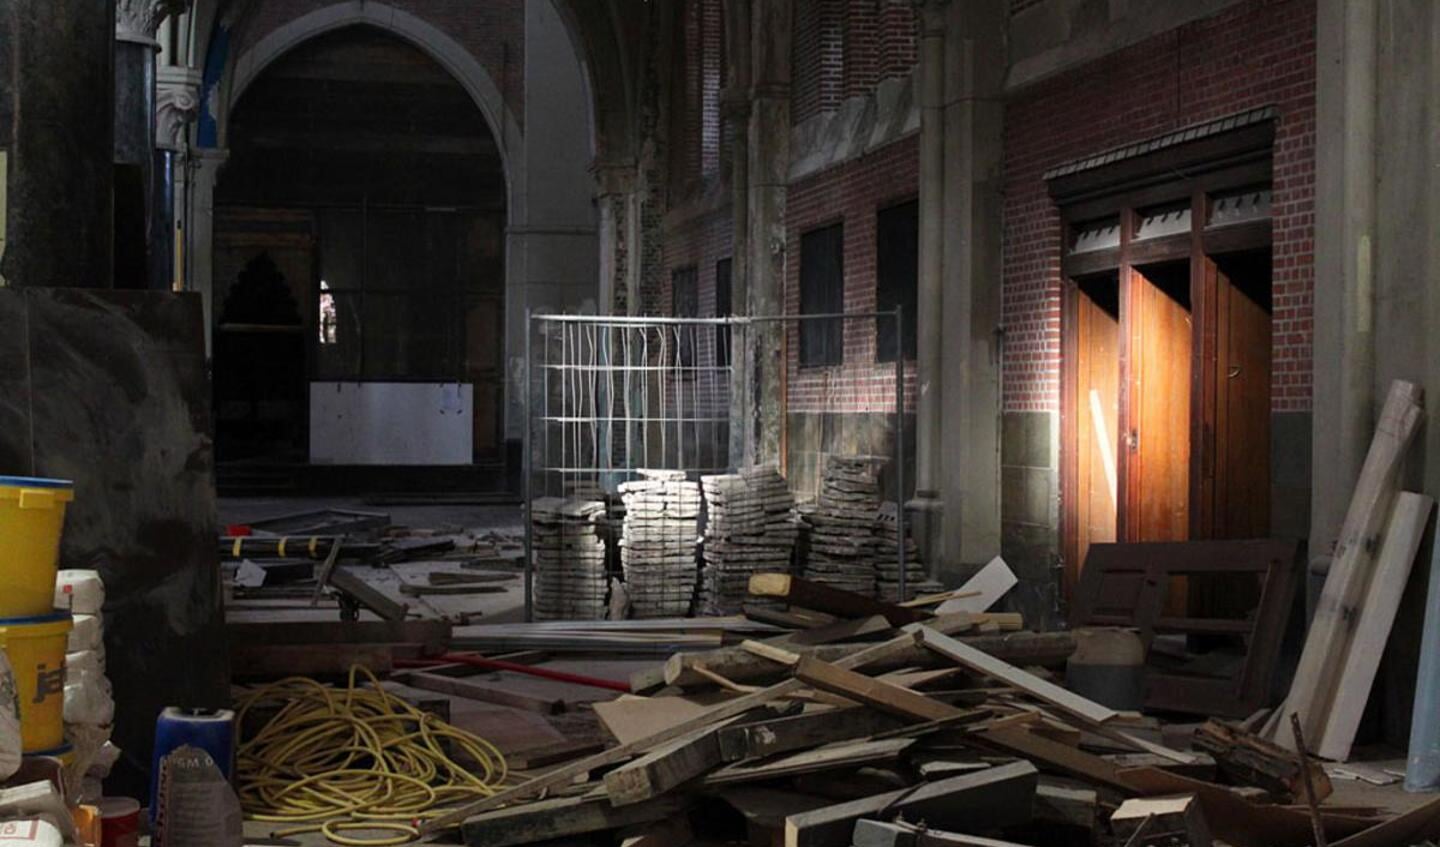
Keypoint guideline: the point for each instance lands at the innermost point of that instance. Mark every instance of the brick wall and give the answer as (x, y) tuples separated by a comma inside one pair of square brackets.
[(1253, 54), (701, 244), (852, 193), (843, 48), (493, 32)]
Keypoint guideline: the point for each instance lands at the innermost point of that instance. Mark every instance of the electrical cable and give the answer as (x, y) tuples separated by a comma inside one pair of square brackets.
[(357, 758)]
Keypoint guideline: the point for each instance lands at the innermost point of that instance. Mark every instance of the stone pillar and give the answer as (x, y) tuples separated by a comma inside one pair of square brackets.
[(615, 187), (927, 507), (202, 169), (56, 143), (735, 104), (973, 119), (769, 164), (138, 214)]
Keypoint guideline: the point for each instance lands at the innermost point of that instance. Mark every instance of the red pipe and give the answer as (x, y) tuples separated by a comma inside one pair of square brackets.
[(501, 665)]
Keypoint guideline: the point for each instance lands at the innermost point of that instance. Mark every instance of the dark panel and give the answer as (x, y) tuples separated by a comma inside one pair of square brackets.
[(685, 303), (822, 292), (119, 403), (897, 246), (723, 306)]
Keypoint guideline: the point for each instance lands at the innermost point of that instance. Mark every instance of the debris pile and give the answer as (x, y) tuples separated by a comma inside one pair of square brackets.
[(843, 521), (887, 567), (569, 548), (750, 528), (659, 541)]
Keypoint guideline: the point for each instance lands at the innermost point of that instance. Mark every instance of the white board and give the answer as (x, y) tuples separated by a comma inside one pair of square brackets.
[(988, 586), (391, 423)]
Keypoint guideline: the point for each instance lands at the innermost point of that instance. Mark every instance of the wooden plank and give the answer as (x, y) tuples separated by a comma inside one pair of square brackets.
[(832, 601), (982, 590), (1164, 820), (872, 692), (551, 754), (1313, 687), (737, 706), (564, 817), (433, 634), (1064, 805), (629, 718), (411, 589), (344, 579), (810, 729), (666, 766), (980, 662), (1403, 533), (839, 631), (872, 833), (1053, 755), (1247, 759), (485, 692), (829, 757), (247, 660), (792, 618), (997, 797)]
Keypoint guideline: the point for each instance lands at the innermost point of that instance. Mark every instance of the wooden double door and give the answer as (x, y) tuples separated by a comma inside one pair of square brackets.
[(1166, 401)]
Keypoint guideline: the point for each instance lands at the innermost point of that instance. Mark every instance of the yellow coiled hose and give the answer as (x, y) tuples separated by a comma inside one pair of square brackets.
[(354, 759)]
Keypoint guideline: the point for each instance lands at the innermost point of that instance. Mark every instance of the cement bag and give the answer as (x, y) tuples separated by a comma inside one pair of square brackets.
[(87, 634), (88, 699), (105, 759), (31, 832), (80, 592), (85, 661), (10, 748)]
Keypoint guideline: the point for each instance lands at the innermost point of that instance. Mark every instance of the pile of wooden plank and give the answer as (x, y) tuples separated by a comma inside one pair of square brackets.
[(569, 549), (890, 725), (750, 528), (659, 543), (842, 524), (887, 560)]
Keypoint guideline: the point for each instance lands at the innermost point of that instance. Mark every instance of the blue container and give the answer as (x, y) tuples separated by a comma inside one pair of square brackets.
[(212, 730)]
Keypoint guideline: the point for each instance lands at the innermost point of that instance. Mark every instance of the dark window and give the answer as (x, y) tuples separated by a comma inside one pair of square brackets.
[(822, 292), (685, 303), (723, 308), (897, 248)]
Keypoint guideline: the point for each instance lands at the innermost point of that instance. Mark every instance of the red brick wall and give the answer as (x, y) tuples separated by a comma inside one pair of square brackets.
[(493, 32), (700, 244), (843, 48), (852, 193), (1253, 54)]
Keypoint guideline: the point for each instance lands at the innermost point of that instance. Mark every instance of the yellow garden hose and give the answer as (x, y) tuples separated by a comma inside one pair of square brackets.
[(357, 758)]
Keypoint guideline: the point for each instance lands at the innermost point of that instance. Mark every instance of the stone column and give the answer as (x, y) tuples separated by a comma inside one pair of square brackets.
[(202, 169), (138, 197), (615, 186), (735, 105), (973, 117), (769, 164), (927, 507), (56, 143)]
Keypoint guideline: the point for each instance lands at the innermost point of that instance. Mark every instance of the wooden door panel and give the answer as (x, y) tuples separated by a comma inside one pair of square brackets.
[(1096, 418), (1161, 352), (1242, 444)]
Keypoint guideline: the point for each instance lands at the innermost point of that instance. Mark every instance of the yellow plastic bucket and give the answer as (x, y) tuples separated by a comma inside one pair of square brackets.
[(35, 647), (32, 514)]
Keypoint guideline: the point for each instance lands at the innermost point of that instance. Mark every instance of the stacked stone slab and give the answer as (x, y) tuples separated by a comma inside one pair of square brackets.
[(658, 546), (887, 563), (842, 524), (750, 528), (568, 539)]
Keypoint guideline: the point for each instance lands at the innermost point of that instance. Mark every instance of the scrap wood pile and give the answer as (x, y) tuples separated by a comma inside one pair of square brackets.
[(897, 725)]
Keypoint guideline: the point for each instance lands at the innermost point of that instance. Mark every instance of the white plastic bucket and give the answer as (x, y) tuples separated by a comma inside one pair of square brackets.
[(31, 832)]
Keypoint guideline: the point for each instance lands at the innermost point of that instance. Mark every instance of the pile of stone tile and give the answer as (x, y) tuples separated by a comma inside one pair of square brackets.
[(568, 540), (658, 544), (887, 561), (750, 527), (842, 524)]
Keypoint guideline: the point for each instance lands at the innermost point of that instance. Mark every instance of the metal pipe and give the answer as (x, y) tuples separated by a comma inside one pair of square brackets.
[(1422, 769), (900, 446), (526, 468), (501, 665)]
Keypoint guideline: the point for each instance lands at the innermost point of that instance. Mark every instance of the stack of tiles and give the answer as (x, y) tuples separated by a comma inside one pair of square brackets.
[(657, 549), (567, 536), (843, 524), (750, 528), (887, 557)]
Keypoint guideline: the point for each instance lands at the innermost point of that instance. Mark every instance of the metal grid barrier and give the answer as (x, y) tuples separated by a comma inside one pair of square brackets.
[(607, 396)]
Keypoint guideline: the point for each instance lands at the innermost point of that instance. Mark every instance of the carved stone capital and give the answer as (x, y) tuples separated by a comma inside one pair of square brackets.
[(177, 103), (612, 178), (139, 20)]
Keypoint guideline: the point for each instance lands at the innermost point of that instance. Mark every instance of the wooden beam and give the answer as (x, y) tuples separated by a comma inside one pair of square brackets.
[(810, 729), (738, 706), (550, 754), (1313, 688), (832, 601), (666, 766), (870, 833), (982, 590), (998, 797), (484, 692), (344, 579), (829, 757), (564, 817), (872, 692), (980, 662), (1247, 759), (1053, 755)]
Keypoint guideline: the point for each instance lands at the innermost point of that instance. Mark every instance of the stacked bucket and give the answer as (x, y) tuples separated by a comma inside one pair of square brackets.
[(33, 633)]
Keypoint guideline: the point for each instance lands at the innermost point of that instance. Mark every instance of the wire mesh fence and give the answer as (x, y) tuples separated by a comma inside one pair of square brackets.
[(639, 502)]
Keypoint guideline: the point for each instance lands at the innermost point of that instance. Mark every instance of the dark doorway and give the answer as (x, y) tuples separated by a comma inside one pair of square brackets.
[(368, 178)]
